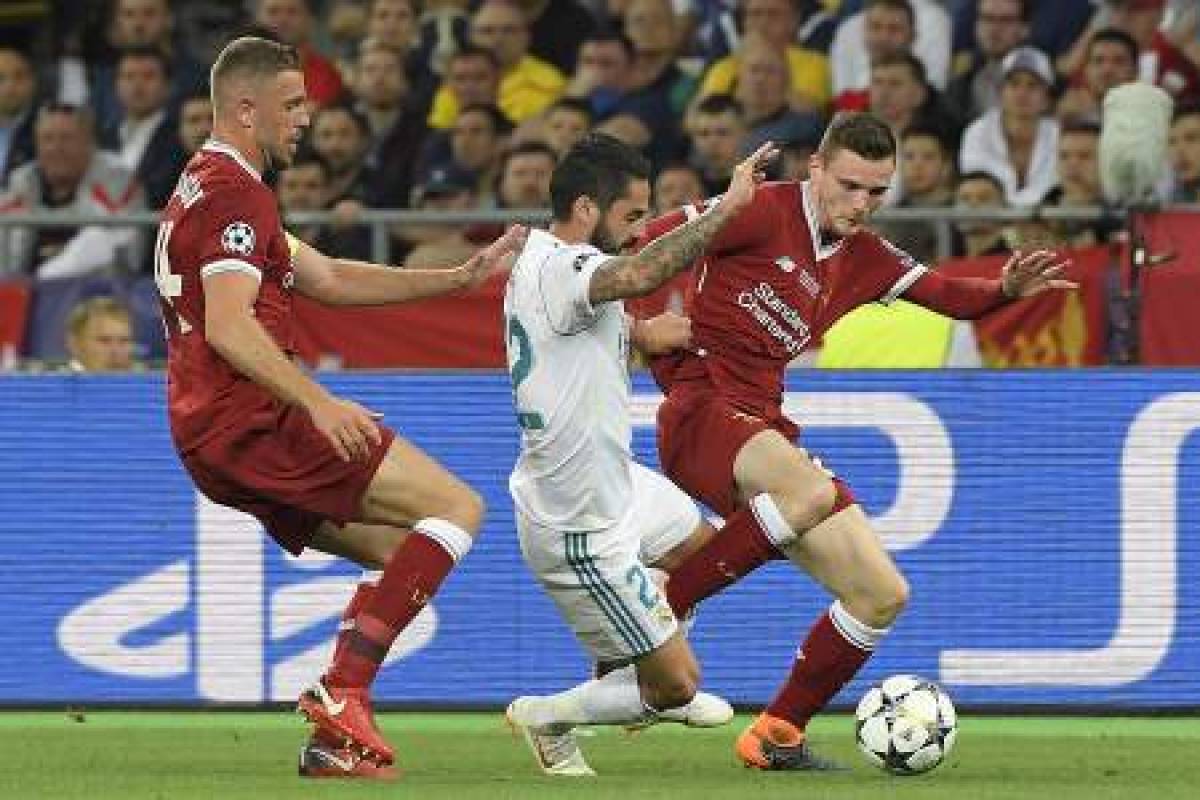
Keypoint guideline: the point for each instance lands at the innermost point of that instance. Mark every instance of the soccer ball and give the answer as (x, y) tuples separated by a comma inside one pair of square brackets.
[(906, 725)]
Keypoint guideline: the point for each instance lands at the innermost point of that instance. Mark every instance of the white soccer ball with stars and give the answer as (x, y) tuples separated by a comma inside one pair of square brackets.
[(906, 725)]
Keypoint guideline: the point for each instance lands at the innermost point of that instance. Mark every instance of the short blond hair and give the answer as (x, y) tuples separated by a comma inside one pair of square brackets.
[(87, 310), (253, 58)]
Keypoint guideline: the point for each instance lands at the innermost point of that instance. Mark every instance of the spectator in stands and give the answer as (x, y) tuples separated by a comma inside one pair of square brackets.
[(474, 146), (146, 137), (393, 24), (442, 30), (195, 122), (984, 237), (525, 176), (443, 246), (1164, 57), (141, 23), (677, 185), (68, 174), (1053, 26), (292, 22), (100, 336), (17, 90), (341, 137), (926, 172), (1112, 61), (566, 123), (1185, 154), (712, 28), (603, 72), (1078, 185), (1000, 26), (302, 187), (556, 28), (397, 127), (658, 90), (1018, 142), (527, 84), (775, 22), (902, 97), (921, 27), (763, 89), (716, 128), (472, 78)]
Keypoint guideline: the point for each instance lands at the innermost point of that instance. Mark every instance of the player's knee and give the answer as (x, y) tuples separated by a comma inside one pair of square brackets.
[(465, 508), (887, 601), (671, 693), (805, 506)]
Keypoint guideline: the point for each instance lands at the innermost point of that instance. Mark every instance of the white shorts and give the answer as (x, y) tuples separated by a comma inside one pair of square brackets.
[(598, 579)]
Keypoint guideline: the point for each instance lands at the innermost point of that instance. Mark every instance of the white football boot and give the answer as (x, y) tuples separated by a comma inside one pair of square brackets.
[(555, 747)]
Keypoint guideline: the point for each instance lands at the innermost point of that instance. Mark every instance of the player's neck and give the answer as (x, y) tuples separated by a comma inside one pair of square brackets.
[(571, 233), (242, 143)]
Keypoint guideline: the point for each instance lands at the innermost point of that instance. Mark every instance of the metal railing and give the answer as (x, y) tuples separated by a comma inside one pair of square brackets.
[(381, 220)]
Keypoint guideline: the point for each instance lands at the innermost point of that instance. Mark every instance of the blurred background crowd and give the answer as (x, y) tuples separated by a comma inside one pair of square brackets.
[(461, 105)]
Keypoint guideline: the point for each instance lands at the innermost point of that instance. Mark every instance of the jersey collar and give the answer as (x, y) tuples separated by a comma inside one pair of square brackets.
[(821, 249), (216, 146)]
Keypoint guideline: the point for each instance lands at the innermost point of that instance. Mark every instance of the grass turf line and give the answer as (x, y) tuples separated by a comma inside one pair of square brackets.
[(467, 756)]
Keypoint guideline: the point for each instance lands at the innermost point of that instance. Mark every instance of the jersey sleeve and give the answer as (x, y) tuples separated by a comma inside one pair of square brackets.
[(232, 236), (753, 224), (897, 270), (564, 284)]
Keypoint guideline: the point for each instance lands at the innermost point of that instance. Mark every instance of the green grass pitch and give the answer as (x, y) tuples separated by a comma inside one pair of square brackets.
[(464, 756)]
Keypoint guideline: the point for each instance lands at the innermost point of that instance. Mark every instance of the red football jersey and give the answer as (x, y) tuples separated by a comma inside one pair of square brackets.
[(767, 287), (221, 217)]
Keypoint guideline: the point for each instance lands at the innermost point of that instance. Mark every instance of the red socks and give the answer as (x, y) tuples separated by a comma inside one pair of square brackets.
[(362, 595), (741, 546), (836, 647), (411, 578)]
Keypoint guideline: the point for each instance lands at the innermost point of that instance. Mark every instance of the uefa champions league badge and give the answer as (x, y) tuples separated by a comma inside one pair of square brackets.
[(238, 238)]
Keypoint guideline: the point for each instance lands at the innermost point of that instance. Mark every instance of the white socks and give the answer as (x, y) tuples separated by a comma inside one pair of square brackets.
[(614, 699)]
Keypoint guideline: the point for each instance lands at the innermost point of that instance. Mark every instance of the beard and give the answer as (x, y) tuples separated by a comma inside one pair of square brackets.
[(604, 241)]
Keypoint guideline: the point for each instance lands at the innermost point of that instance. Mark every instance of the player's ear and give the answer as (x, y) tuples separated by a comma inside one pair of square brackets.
[(246, 112), (584, 209)]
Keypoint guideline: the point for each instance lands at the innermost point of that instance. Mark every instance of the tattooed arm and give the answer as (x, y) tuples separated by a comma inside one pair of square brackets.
[(659, 261)]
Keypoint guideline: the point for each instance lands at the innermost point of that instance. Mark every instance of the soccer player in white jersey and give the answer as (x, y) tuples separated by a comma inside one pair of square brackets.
[(591, 519)]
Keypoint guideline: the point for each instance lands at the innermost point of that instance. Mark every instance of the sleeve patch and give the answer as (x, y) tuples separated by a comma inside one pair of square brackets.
[(238, 238)]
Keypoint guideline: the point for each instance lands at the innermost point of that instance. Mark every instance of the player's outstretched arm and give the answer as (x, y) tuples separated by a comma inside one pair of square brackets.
[(339, 281), (1024, 275), (640, 274)]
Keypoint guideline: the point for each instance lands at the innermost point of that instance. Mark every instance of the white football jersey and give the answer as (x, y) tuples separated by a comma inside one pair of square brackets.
[(569, 366)]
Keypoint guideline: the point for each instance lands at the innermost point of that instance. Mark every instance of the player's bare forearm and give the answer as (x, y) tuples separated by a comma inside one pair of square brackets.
[(245, 344), (659, 261), (361, 284)]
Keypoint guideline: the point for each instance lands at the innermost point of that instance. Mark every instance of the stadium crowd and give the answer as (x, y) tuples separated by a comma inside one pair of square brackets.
[(456, 105)]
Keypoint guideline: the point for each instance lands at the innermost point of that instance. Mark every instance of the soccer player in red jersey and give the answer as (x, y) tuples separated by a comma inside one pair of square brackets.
[(258, 434), (772, 281)]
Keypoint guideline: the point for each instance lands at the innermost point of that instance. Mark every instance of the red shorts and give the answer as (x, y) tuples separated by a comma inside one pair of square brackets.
[(279, 468), (700, 434)]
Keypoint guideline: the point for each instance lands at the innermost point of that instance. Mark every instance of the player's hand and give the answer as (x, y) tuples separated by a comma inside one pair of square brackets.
[(496, 257), (746, 178), (348, 427), (662, 334), (1032, 273)]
